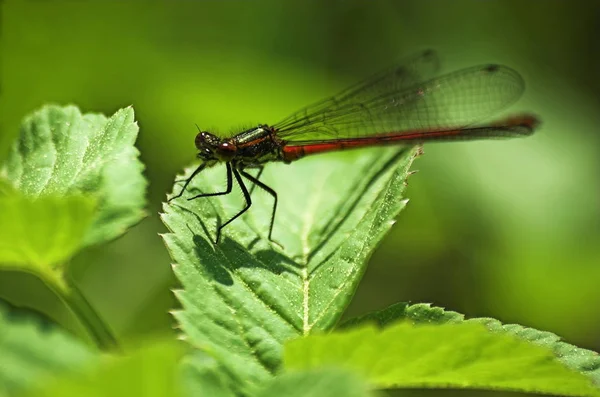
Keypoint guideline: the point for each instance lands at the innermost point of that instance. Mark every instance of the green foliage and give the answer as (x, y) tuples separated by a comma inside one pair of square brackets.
[(33, 351), (61, 152), (41, 235), (149, 372), (439, 356), (70, 180), (261, 320), (242, 299), (420, 313), (203, 376), (325, 382), (584, 361)]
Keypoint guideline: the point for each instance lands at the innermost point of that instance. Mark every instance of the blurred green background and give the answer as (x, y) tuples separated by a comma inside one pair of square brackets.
[(505, 229)]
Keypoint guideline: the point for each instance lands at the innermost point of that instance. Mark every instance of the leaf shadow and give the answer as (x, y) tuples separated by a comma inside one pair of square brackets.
[(221, 260), (269, 259)]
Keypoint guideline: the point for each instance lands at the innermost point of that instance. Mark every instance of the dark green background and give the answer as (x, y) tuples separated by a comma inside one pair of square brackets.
[(505, 229)]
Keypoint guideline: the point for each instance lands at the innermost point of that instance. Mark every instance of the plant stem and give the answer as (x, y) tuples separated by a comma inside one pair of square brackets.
[(97, 328)]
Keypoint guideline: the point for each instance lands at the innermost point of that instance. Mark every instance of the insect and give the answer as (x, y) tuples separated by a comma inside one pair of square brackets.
[(398, 106)]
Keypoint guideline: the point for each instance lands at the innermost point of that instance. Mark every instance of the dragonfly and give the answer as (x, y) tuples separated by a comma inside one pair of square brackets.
[(401, 105)]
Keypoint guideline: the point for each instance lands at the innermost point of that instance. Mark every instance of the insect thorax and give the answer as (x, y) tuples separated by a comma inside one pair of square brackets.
[(257, 145)]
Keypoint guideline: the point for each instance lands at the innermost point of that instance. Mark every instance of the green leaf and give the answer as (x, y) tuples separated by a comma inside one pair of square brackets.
[(41, 235), (244, 297), (61, 152), (419, 314), (327, 382), (439, 356), (33, 351), (203, 376), (584, 361), (149, 372)]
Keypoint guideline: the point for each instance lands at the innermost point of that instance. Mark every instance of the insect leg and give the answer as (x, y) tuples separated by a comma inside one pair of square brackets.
[(267, 189), (246, 197), (260, 170), (187, 181), (227, 191)]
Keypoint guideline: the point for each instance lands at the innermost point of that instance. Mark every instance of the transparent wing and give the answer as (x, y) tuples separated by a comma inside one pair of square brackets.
[(400, 99)]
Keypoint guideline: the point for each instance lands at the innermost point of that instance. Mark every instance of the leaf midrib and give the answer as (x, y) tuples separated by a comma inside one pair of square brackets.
[(306, 251)]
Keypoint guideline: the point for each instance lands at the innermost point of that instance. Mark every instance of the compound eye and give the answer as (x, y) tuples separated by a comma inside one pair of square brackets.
[(200, 140)]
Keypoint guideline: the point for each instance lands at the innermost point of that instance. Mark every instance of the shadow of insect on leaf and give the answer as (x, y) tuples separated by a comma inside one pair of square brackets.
[(239, 256), (202, 225), (278, 263), (222, 260), (209, 260)]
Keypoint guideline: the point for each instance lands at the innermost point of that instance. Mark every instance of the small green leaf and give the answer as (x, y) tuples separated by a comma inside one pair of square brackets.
[(150, 372), (33, 351), (61, 152), (244, 297), (203, 376), (41, 235), (439, 356), (380, 318), (584, 361), (419, 314), (328, 382)]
